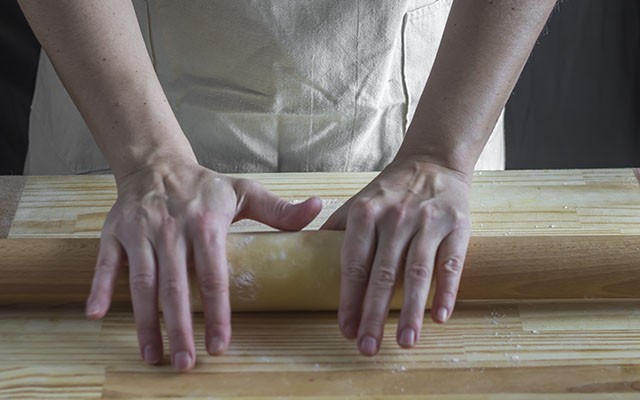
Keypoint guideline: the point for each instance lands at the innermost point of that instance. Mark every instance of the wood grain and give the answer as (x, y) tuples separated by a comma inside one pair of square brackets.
[(409, 382), (512, 203), (487, 351), (579, 349)]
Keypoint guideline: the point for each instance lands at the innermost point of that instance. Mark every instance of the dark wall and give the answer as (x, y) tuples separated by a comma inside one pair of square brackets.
[(576, 104), (19, 49)]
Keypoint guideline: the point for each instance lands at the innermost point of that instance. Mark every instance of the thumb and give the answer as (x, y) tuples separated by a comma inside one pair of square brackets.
[(257, 203)]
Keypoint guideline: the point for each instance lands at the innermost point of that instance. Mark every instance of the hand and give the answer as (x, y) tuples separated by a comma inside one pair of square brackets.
[(168, 216), (411, 219)]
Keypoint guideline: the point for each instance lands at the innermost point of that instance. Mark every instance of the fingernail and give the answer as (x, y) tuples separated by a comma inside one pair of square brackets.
[(182, 361), (215, 345), (407, 337), (93, 308), (368, 346), (151, 354), (442, 314)]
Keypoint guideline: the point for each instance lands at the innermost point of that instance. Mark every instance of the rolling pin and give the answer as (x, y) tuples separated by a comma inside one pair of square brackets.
[(276, 271)]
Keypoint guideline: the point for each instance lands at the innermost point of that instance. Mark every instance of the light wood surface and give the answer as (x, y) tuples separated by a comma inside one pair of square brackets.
[(513, 203), (587, 349)]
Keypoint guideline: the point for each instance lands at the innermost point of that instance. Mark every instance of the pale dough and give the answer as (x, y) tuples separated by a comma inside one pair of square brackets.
[(277, 271)]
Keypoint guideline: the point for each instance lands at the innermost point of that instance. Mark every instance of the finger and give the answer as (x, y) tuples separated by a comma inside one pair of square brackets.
[(449, 264), (384, 273), (259, 204), (418, 271), (174, 295), (213, 278), (108, 263), (355, 259), (144, 297)]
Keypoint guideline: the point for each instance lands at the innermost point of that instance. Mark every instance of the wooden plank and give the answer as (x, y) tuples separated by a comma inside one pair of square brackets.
[(583, 349), (408, 382), (558, 202), (486, 351), (36, 382)]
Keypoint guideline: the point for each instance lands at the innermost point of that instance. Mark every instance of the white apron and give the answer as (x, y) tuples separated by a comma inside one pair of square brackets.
[(270, 85)]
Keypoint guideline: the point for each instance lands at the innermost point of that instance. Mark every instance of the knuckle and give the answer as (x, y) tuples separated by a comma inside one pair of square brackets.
[(461, 219), (385, 277), (178, 334), (142, 282), (398, 212), (355, 271), (146, 334), (168, 230), (373, 323), (212, 284), (168, 224), (219, 327), (131, 228), (106, 266), (363, 210), (280, 207), (430, 213), (139, 216), (448, 293), (202, 219), (418, 271), (204, 225), (172, 290), (453, 265)]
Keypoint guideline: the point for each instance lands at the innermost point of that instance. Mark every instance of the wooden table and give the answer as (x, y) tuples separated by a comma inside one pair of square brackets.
[(587, 348)]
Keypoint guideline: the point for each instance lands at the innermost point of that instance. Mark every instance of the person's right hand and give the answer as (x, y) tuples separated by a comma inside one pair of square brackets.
[(170, 215)]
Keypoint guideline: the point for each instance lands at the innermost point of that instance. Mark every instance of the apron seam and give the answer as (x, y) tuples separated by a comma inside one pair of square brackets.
[(403, 71)]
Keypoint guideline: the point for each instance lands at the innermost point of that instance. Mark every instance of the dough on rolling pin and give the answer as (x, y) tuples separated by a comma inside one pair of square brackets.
[(284, 271)]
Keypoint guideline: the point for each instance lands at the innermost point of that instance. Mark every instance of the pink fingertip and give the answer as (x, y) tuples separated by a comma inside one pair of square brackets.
[(216, 346), (442, 315), (368, 346), (93, 309), (407, 338)]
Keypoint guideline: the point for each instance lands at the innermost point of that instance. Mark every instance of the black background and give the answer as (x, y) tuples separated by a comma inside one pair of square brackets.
[(19, 51)]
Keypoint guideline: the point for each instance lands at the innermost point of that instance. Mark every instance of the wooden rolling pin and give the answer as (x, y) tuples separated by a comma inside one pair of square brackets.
[(300, 271)]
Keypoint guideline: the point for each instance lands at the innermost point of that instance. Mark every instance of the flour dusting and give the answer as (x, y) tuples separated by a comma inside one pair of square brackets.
[(244, 282)]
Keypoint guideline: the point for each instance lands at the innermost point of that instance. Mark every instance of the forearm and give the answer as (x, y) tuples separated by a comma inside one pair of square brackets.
[(100, 56), (484, 48)]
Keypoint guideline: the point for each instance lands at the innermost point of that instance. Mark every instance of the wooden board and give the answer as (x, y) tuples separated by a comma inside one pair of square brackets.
[(588, 349), (528, 203)]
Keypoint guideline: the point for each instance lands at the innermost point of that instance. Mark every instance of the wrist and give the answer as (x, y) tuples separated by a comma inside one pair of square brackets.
[(456, 158), (161, 156), (421, 164), (142, 133)]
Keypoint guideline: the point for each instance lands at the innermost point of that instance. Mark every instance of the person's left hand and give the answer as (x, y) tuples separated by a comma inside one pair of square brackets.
[(412, 219)]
